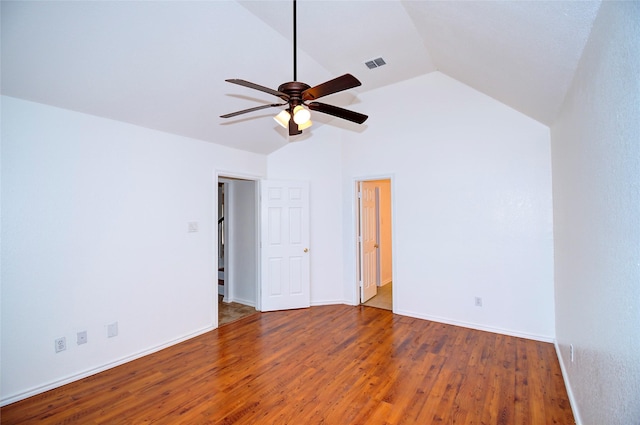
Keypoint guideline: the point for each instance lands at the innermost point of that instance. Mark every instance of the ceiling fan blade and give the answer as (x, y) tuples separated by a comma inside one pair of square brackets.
[(293, 128), (255, 86), (345, 82), (257, 108), (345, 114)]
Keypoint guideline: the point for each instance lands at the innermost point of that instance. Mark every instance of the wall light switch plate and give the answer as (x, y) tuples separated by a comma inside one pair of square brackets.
[(112, 330)]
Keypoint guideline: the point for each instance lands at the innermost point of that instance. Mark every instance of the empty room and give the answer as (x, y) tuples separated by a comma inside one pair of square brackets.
[(477, 160)]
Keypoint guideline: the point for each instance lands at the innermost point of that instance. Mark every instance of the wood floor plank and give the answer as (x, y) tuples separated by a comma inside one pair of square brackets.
[(322, 365)]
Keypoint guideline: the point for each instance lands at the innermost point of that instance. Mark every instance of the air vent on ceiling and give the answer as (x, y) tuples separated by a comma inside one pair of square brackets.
[(375, 63)]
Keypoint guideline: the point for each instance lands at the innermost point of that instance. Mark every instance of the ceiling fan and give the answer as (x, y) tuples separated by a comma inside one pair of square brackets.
[(299, 97)]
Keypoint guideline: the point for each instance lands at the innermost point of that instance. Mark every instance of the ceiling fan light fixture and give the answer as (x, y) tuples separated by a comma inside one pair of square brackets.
[(283, 118), (305, 125), (301, 115)]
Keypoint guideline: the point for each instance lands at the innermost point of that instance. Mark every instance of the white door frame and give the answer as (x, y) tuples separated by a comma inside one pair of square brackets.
[(222, 175), (356, 212)]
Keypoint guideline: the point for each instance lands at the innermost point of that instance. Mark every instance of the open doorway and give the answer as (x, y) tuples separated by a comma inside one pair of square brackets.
[(374, 243), (237, 256)]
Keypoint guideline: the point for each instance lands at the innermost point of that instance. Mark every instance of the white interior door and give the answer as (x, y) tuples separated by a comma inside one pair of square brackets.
[(285, 245), (368, 241)]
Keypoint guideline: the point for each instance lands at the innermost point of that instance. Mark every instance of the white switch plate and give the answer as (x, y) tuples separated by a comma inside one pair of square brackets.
[(112, 330), (193, 226)]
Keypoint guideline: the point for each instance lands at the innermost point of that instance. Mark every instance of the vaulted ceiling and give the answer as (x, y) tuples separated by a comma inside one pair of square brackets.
[(162, 65)]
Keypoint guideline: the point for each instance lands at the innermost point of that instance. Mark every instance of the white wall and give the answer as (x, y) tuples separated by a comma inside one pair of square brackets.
[(596, 189), (317, 160), (242, 241), (94, 230), (471, 188)]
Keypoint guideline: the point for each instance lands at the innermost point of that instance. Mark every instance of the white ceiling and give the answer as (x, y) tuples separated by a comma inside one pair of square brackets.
[(162, 65)]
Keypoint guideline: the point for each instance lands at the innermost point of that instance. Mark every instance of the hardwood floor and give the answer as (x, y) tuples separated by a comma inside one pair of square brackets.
[(322, 365)]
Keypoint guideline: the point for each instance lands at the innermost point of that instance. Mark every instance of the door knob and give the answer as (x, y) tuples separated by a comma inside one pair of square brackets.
[(375, 246), (306, 250)]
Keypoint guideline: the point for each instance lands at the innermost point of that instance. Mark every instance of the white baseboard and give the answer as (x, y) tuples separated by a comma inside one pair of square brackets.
[(565, 378), (250, 303), (329, 302), (84, 374), (501, 331)]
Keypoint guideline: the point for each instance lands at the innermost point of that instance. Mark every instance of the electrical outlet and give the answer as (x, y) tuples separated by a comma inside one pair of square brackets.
[(571, 352), (61, 344), (112, 330), (82, 337), (478, 302)]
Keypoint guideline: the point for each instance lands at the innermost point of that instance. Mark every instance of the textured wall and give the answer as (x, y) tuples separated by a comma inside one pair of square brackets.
[(596, 190)]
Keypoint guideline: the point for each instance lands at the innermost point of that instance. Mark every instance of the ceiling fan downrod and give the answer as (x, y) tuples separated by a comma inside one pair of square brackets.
[(295, 43)]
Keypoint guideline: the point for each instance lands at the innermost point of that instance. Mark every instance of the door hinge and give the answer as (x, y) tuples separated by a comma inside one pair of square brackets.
[(359, 195)]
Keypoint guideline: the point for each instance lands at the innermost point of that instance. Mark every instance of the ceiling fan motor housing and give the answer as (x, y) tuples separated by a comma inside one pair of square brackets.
[(294, 89)]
